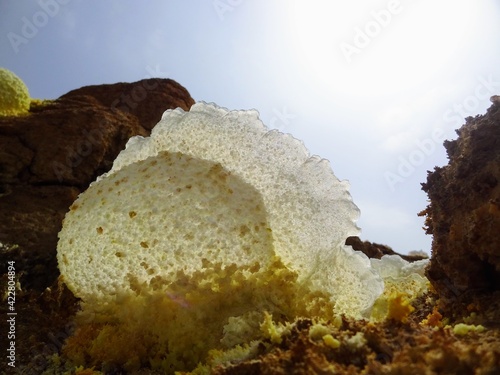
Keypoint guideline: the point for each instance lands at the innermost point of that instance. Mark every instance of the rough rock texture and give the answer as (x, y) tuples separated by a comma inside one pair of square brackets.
[(364, 348), (52, 154), (44, 322), (375, 250), (146, 99), (464, 211)]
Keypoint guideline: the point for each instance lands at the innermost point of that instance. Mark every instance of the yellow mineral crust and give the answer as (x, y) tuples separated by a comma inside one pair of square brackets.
[(462, 329), (210, 235), (14, 95), (174, 328), (403, 283)]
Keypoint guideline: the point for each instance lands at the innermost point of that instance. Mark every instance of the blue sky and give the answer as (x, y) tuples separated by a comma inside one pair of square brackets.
[(373, 86)]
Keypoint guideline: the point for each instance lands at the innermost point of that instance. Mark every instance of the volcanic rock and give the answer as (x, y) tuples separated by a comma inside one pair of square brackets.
[(146, 99), (377, 251), (464, 211)]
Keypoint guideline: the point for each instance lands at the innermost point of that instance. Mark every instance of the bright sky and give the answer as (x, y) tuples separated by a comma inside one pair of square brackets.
[(373, 86)]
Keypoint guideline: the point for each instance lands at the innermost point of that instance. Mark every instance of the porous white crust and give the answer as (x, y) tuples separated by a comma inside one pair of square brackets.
[(308, 210), (159, 216), (405, 277)]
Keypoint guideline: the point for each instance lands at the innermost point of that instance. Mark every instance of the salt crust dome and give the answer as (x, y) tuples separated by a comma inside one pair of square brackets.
[(212, 186)]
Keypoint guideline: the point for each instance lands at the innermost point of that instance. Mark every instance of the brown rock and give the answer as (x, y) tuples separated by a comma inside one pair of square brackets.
[(386, 348), (464, 211), (146, 99), (34, 218), (375, 250), (52, 154), (44, 322)]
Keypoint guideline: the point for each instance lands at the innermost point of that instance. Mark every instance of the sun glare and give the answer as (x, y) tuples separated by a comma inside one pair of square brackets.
[(378, 48)]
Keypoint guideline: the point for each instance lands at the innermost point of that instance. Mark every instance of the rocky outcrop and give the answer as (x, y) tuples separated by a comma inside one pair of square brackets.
[(464, 211), (146, 99), (385, 348), (377, 251), (50, 155)]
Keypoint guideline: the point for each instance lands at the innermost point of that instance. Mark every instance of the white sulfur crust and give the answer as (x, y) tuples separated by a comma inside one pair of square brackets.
[(294, 205), (156, 217)]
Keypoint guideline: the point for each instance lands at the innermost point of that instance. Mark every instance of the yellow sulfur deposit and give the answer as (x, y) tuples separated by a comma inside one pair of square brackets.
[(399, 308), (462, 329), (175, 329), (210, 234), (330, 341), (14, 95), (404, 282)]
